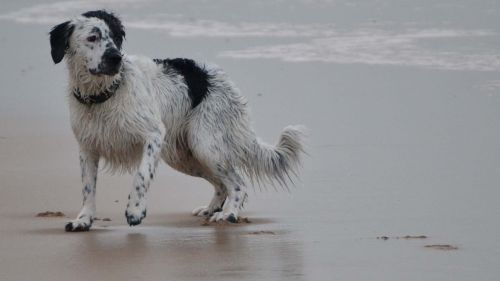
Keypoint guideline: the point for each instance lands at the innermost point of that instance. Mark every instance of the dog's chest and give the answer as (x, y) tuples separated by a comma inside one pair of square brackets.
[(113, 133)]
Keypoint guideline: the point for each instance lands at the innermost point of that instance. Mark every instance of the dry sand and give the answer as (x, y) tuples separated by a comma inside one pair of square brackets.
[(403, 103)]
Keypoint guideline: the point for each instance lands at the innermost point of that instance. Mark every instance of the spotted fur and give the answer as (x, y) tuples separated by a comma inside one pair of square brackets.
[(189, 115)]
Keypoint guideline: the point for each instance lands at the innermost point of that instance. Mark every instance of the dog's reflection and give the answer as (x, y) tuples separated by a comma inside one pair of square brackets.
[(214, 252)]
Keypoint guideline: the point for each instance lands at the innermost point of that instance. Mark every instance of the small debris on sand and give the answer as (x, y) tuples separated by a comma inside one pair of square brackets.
[(104, 219), (262, 232), (243, 220), (403, 237), (443, 247), (116, 201), (239, 221), (413, 237), (49, 214)]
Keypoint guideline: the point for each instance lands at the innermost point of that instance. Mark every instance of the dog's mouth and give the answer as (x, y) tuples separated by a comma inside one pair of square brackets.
[(111, 71), (94, 71)]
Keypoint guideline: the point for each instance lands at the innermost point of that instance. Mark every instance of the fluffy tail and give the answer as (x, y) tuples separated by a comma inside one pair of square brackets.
[(280, 163)]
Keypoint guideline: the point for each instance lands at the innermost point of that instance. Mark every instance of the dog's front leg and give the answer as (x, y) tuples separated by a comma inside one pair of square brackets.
[(136, 206), (88, 164)]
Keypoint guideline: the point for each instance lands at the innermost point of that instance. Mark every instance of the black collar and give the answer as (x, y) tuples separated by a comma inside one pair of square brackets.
[(99, 98)]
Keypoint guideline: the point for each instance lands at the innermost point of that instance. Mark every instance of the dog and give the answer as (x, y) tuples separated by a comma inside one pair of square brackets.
[(132, 111)]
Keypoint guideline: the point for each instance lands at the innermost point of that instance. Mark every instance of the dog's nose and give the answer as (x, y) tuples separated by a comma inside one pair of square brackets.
[(112, 55)]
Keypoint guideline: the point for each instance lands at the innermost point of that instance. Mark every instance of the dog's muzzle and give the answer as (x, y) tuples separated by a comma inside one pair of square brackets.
[(111, 62)]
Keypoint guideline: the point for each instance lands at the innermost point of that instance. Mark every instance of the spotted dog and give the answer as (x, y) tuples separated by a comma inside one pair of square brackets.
[(132, 111)]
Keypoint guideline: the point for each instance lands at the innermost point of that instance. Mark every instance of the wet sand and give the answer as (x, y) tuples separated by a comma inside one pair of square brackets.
[(402, 101)]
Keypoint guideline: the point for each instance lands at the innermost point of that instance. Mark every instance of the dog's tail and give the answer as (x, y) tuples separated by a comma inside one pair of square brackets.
[(279, 163)]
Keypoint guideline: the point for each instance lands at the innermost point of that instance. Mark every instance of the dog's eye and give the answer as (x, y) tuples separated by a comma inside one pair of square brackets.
[(92, 38)]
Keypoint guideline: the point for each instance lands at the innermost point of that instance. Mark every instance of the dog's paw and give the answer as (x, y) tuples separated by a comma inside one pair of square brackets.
[(83, 223), (201, 211), (204, 211), (135, 213), (224, 216)]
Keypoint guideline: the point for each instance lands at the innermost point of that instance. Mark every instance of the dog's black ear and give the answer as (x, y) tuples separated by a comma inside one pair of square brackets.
[(59, 40), (115, 25)]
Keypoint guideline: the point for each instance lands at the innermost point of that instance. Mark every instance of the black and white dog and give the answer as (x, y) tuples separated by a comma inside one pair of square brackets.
[(132, 110)]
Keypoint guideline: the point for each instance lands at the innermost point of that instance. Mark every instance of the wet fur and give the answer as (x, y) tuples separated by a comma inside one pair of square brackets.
[(189, 115)]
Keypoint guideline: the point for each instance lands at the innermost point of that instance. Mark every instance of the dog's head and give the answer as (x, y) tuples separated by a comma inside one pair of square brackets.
[(94, 39)]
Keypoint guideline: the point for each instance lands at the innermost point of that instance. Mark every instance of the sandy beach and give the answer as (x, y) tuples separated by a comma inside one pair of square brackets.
[(402, 101)]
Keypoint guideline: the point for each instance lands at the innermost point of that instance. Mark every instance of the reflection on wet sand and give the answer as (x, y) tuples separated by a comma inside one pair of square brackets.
[(196, 253)]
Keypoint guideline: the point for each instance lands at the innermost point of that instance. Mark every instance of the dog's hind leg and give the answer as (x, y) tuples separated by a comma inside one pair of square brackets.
[(88, 164), (215, 205), (236, 194), (230, 189), (136, 206)]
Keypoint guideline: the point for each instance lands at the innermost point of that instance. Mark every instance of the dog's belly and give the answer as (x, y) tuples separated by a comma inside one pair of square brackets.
[(182, 160)]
